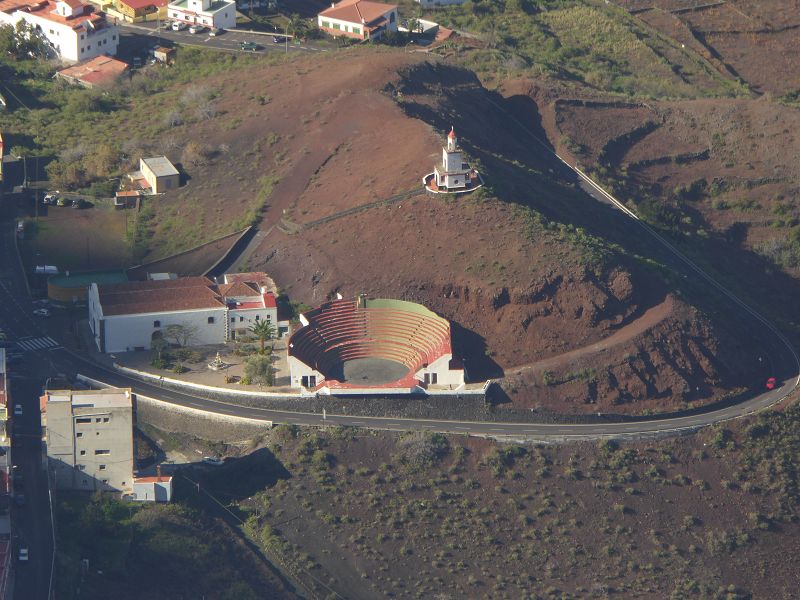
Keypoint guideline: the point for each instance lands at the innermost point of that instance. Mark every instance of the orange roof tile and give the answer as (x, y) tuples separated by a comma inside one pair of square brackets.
[(358, 11)]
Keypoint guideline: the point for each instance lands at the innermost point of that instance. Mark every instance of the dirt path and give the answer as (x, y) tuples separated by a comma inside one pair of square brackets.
[(651, 317)]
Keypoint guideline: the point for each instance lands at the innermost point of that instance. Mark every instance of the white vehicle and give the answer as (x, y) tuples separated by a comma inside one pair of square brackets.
[(23, 555), (196, 29), (178, 26), (18, 410), (41, 312), (51, 197), (214, 461)]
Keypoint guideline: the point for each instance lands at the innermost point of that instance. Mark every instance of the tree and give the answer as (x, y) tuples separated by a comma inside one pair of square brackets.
[(258, 369), (263, 330), (158, 344), (181, 334)]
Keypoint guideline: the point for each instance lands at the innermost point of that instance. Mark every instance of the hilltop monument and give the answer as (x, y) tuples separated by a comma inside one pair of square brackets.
[(453, 176)]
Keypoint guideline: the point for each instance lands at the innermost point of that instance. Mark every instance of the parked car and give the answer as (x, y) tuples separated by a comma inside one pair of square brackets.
[(23, 554), (79, 203), (196, 29), (18, 410), (277, 40), (63, 201), (41, 312), (216, 31), (51, 197), (178, 26), (214, 461), (249, 46)]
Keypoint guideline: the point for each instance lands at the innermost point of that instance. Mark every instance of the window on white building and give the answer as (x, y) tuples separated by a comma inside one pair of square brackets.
[(258, 317), (210, 320), (83, 452), (102, 467), (100, 452), (156, 323)]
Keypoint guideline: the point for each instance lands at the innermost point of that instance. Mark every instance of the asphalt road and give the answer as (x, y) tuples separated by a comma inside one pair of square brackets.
[(30, 523), (135, 39)]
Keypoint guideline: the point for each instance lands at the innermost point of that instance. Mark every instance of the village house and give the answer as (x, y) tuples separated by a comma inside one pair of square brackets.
[(135, 11), (156, 488), (101, 71), (72, 29), (358, 19), (129, 316), (159, 173), (220, 14)]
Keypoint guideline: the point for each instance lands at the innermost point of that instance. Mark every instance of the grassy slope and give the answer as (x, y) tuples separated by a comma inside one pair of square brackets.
[(710, 516), (585, 42)]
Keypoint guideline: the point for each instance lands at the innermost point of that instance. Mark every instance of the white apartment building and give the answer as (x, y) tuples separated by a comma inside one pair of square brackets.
[(211, 13), (73, 29), (128, 316), (89, 437)]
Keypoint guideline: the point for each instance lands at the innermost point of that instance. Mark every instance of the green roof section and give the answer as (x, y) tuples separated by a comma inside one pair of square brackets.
[(404, 305), (82, 279)]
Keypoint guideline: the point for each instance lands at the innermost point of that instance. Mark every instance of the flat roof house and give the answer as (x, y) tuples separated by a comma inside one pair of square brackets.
[(159, 173), (89, 437), (220, 14), (128, 316), (358, 19)]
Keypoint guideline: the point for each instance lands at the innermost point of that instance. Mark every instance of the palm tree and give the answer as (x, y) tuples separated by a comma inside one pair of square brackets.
[(263, 330)]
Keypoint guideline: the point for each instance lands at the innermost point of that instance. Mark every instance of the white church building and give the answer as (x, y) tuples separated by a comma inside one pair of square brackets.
[(128, 316), (453, 176)]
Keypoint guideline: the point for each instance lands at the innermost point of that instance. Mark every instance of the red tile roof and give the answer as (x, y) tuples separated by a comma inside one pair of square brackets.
[(97, 71), (239, 289), (258, 277), (47, 10), (162, 479), (138, 4), (169, 295), (358, 11), (72, 3), (270, 301)]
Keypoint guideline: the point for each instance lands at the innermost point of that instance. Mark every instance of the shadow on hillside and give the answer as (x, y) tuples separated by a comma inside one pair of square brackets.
[(240, 478), (471, 347)]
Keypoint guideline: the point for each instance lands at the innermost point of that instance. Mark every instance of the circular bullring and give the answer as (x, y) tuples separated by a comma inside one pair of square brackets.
[(370, 342)]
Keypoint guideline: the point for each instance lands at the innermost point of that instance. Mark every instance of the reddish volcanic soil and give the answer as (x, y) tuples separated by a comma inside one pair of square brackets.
[(345, 129)]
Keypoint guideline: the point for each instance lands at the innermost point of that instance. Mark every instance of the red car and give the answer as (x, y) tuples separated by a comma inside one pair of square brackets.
[(771, 382)]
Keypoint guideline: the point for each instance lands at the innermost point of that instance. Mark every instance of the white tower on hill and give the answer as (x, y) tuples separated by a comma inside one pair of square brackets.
[(453, 176)]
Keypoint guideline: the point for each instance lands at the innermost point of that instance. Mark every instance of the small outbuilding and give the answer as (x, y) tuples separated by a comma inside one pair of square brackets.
[(159, 173), (152, 489)]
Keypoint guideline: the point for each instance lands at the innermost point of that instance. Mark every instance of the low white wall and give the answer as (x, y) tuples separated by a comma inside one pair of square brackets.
[(199, 386), (178, 408)]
